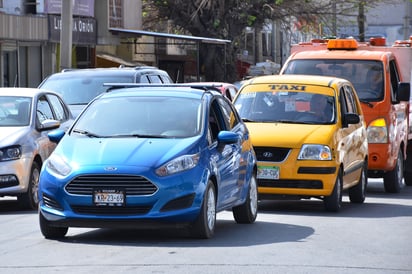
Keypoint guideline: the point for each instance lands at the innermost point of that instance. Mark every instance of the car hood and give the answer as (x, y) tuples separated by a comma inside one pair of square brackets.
[(84, 151), (289, 135), (12, 135)]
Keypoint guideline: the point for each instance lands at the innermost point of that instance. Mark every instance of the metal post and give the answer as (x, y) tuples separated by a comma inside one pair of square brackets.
[(66, 34)]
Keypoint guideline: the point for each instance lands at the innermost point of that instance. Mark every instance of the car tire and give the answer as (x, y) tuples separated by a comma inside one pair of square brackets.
[(407, 176), (247, 212), (392, 180), (357, 193), (30, 199), (333, 202), (204, 226), (51, 232)]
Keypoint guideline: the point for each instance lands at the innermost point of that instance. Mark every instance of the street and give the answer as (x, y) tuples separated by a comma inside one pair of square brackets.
[(288, 237)]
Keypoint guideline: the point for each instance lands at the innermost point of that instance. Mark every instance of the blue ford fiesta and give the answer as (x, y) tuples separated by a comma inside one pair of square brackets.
[(143, 156)]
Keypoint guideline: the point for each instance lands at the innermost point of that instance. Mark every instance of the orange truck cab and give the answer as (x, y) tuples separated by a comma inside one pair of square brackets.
[(381, 76)]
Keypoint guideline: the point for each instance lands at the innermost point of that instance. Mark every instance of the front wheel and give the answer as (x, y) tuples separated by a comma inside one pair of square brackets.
[(357, 193), (333, 202), (247, 212), (392, 180), (51, 232), (30, 199), (204, 226)]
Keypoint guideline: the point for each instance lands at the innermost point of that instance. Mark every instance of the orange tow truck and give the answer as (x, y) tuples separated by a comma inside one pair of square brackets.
[(381, 75)]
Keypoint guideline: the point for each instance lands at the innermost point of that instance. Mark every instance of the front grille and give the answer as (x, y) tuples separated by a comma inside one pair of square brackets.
[(131, 185), (304, 184), (271, 154), (110, 210)]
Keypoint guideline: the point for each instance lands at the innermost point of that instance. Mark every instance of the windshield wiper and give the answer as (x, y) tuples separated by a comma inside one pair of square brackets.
[(248, 120), (138, 136), (87, 133), (367, 103)]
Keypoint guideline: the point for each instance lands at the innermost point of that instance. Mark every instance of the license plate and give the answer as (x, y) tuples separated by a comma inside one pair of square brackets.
[(108, 198), (268, 172)]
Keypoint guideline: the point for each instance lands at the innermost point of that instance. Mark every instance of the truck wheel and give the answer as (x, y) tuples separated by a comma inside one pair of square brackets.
[(333, 202), (407, 176), (392, 180), (357, 193)]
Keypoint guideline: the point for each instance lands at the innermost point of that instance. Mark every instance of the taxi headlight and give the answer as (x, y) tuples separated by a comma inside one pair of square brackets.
[(315, 152)]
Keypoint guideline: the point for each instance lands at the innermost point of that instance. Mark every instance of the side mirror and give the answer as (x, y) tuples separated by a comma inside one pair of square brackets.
[(226, 138), (350, 118), (56, 135), (48, 125), (404, 92)]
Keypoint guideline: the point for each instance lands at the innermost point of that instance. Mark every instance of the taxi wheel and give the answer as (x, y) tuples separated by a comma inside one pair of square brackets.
[(51, 232), (247, 212), (333, 202), (204, 226), (392, 180), (357, 193), (30, 199)]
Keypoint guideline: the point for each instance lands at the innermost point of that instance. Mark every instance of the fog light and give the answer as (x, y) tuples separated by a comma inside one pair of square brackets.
[(8, 180)]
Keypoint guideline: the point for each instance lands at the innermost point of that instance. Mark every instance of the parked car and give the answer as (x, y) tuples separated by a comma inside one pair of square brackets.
[(227, 89), (79, 86), (173, 155), (26, 116), (309, 137)]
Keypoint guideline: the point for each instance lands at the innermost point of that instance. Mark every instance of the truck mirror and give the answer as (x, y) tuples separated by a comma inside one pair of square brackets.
[(404, 92)]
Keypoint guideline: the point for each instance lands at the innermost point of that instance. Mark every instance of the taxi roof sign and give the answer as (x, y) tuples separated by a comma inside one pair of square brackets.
[(342, 44)]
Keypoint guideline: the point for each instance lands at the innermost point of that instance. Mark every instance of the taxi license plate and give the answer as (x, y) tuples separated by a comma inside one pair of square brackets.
[(108, 198), (268, 172)]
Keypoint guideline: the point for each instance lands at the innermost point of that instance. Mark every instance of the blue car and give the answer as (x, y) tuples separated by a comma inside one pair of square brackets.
[(142, 156)]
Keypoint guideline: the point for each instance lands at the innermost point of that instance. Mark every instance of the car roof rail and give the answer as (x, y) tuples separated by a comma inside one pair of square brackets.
[(205, 87)]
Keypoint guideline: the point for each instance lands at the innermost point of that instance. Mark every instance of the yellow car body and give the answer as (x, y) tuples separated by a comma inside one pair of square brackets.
[(299, 156)]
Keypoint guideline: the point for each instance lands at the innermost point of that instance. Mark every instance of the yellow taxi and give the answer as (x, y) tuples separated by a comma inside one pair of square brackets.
[(309, 137)]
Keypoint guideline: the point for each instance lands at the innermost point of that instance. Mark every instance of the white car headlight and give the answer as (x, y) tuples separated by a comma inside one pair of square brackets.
[(58, 165), (179, 164), (315, 152)]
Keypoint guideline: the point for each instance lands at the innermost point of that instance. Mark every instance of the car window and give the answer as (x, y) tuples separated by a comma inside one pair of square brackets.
[(15, 111), (350, 100), (229, 115), (44, 111), (154, 79), (58, 108), (143, 116), (81, 89)]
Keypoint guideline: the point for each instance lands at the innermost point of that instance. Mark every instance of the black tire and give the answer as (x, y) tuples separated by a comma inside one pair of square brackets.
[(333, 202), (204, 226), (51, 232), (247, 212), (392, 180), (357, 193), (407, 176), (30, 199)]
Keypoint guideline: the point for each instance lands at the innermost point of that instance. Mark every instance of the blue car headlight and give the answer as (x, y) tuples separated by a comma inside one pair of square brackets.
[(315, 152), (10, 153), (178, 164), (58, 165)]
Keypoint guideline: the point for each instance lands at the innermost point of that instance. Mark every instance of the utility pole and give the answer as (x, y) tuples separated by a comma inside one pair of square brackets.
[(66, 34)]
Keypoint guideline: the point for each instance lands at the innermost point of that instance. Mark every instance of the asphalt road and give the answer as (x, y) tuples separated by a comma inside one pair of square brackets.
[(288, 237)]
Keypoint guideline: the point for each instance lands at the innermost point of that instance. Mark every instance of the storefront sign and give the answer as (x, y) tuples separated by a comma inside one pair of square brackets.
[(84, 30), (80, 7)]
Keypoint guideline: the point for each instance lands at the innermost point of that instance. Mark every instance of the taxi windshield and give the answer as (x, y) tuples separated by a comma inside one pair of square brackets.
[(286, 107)]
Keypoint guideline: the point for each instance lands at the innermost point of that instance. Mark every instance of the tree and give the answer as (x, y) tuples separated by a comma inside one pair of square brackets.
[(228, 19)]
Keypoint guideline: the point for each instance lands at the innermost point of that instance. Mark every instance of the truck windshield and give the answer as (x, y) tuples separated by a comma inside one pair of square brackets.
[(365, 75)]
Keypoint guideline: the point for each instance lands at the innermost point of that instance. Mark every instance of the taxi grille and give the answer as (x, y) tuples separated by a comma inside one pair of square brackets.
[(271, 154), (131, 185)]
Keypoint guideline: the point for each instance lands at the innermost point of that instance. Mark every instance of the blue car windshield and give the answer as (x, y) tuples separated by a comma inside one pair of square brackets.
[(157, 117)]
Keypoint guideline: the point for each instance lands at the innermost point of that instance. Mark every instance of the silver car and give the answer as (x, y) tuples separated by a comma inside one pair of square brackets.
[(26, 116)]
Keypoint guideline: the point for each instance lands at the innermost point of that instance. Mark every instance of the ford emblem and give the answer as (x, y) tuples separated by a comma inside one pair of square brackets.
[(110, 168)]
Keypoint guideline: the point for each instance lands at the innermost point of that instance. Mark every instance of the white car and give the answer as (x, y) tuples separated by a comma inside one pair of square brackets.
[(26, 117)]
